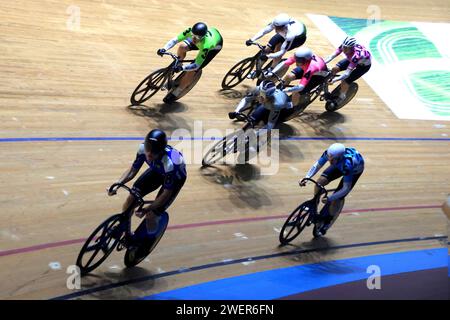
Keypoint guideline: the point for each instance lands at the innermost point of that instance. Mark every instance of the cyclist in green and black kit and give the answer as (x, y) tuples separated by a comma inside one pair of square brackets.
[(207, 40)]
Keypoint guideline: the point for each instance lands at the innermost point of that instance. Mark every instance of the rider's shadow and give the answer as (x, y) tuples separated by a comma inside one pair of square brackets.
[(233, 94), (163, 115), (324, 124), (288, 149), (239, 180)]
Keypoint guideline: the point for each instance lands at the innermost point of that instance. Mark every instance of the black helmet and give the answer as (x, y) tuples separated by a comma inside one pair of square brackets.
[(199, 29), (155, 141)]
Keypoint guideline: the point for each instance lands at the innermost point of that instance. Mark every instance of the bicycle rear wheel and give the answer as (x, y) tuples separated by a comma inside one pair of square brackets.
[(148, 87), (294, 224), (238, 73), (101, 240), (189, 87), (134, 256), (352, 90)]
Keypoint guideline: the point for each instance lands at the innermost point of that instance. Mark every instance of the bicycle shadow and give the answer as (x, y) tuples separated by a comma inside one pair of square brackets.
[(131, 283), (227, 174), (239, 181), (163, 108), (312, 251), (323, 124)]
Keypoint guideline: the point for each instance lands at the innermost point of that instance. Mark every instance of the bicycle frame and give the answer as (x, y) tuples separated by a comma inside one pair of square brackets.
[(257, 61), (137, 200), (318, 195), (176, 62)]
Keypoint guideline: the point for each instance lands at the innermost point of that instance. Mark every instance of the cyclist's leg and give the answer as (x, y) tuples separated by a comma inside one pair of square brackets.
[(274, 42), (152, 221), (357, 73), (336, 205), (274, 45), (258, 114), (184, 47), (148, 182), (341, 66), (297, 42), (330, 174)]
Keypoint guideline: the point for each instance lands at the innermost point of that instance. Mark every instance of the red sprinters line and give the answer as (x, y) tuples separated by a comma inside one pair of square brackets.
[(202, 224)]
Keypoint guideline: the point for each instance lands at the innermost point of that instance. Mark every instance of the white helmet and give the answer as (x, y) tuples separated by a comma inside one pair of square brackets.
[(335, 151), (349, 42), (303, 53), (281, 20)]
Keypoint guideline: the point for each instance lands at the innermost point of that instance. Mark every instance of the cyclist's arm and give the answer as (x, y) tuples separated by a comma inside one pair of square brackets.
[(168, 187), (287, 63), (262, 32), (182, 36), (161, 200), (201, 56), (334, 55), (135, 167), (191, 66), (343, 76), (249, 98), (128, 175), (316, 167), (303, 82), (171, 43)]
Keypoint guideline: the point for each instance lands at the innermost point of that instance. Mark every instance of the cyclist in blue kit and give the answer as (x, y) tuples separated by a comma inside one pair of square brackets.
[(347, 163), (167, 171)]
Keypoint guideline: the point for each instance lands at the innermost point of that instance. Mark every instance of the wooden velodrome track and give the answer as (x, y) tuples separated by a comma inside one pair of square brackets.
[(58, 82)]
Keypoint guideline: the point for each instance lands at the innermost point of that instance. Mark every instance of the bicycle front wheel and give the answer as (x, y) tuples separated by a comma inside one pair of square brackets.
[(99, 245), (294, 224), (148, 87), (238, 73)]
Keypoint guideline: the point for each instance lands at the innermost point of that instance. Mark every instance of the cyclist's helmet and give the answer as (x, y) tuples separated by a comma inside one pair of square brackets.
[(303, 54), (335, 151), (199, 29), (281, 20), (267, 88), (349, 42), (155, 142)]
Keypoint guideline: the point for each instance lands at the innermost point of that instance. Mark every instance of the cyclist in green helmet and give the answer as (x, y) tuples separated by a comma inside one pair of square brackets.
[(207, 41)]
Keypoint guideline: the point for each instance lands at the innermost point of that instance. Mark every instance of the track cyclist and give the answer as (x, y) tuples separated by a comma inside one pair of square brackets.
[(356, 64), (207, 40), (347, 163)]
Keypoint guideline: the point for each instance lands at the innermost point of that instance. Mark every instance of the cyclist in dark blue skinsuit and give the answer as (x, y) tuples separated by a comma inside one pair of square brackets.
[(344, 162), (167, 170)]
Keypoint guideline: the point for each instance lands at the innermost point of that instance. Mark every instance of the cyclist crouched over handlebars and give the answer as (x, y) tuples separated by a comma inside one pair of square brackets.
[(208, 41), (167, 170), (344, 162), (310, 69), (273, 106)]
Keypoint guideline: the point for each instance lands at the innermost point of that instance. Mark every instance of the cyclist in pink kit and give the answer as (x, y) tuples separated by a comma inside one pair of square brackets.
[(356, 64), (311, 70)]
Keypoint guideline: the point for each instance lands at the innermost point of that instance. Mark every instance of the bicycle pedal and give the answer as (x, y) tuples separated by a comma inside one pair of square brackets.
[(120, 247)]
